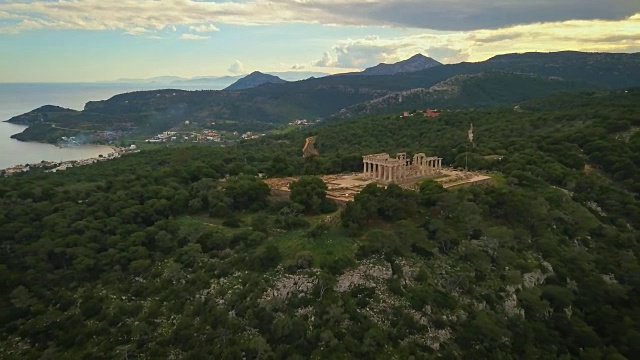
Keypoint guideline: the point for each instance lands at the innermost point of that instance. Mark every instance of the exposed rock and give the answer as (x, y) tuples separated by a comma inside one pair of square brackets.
[(287, 286), (367, 274)]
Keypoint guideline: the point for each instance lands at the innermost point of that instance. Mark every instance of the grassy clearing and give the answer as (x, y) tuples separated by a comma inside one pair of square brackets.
[(194, 226), (326, 248), (498, 179), (331, 245)]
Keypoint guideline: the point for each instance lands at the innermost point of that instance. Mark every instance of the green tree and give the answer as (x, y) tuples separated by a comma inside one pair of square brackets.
[(311, 193), (247, 192)]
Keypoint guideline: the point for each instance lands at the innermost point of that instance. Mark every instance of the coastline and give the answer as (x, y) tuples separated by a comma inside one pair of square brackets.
[(54, 166)]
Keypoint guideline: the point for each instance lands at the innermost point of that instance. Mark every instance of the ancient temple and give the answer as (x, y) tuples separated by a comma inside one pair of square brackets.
[(385, 169)]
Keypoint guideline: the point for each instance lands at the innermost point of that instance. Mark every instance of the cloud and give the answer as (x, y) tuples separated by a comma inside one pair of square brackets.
[(193, 37), (236, 67), (454, 47), (326, 61), (204, 28), (137, 31), (297, 67), (447, 55), (455, 15), (496, 38), (462, 15), (361, 53)]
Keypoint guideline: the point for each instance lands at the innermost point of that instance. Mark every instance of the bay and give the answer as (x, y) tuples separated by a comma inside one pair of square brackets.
[(16, 99)]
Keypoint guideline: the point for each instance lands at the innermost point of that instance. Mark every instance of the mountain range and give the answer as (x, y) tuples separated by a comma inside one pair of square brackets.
[(501, 80), (216, 82)]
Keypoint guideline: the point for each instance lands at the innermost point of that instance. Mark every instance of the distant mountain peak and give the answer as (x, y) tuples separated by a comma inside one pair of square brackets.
[(419, 56), (415, 63), (255, 79)]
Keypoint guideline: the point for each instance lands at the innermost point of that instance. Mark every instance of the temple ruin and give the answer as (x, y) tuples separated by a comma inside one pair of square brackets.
[(385, 169)]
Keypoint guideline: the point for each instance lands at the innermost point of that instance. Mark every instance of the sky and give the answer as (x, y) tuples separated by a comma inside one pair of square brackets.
[(97, 40)]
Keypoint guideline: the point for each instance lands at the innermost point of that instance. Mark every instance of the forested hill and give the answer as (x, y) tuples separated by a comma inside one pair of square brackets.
[(276, 104), (469, 91), (182, 253)]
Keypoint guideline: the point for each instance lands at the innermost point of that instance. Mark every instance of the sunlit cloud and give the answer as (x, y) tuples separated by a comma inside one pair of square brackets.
[(236, 68), (448, 47), (204, 28), (193, 37)]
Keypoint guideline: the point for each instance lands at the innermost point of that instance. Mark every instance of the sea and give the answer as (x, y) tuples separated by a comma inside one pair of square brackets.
[(19, 98)]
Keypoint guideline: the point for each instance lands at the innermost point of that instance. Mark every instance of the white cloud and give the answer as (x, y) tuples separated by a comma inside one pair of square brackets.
[(297, 67), (137, 31), (204, 28), (236, 67), (326, 61), (193, 37), (361, 53)]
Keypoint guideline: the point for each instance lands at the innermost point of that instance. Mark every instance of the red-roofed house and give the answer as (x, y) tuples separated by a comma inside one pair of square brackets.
[(431, 113)]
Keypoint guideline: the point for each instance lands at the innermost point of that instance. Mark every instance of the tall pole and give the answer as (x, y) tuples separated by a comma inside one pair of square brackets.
[(466, 157)]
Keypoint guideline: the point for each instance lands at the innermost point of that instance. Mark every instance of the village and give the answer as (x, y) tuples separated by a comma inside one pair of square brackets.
[(55, 166), (427, 113), (202, 136)]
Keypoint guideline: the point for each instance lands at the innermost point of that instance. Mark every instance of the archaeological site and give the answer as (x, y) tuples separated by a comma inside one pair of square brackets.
[(383, 169)]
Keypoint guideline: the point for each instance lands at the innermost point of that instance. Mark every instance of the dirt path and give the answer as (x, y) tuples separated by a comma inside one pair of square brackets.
[(309, 149)]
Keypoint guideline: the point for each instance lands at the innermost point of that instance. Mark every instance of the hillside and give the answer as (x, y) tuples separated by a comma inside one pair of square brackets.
[(41, 114), (253, 80), (464, 91), (173, 251), (272, 105)]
